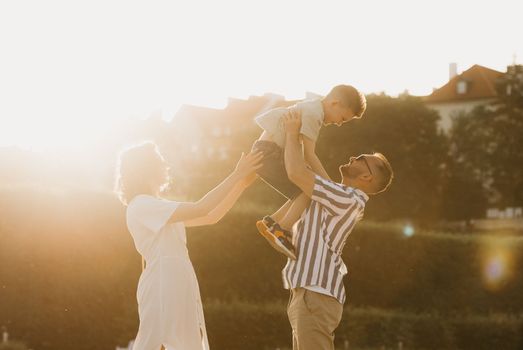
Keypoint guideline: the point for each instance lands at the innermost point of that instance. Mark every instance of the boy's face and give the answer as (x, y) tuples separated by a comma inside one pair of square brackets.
[(336, 113)]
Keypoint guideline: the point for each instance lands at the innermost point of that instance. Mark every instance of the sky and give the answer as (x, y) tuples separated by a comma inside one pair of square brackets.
[(70, 66)]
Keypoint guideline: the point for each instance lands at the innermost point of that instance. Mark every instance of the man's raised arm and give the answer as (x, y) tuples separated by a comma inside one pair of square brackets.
[(297, 170)]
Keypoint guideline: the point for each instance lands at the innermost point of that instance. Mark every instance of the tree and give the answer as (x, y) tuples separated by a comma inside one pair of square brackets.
[(510, 87), (406, 132), (464, 196), (485, 152), (486, 143)]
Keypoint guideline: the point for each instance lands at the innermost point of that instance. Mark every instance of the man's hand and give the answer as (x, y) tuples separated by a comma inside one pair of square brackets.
[(292, 121), (294, 163)]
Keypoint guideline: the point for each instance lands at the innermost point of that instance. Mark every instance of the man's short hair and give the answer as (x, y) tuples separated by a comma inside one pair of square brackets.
[(350, 97), (384, 170)]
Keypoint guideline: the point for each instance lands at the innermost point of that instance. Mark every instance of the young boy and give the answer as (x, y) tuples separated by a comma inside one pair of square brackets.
[(342, 104)]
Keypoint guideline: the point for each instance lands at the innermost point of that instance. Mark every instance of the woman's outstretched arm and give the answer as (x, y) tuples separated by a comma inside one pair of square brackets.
[(187, 211), (225, 205)]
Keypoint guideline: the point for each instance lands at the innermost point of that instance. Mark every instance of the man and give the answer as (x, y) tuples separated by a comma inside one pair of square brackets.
[(315, 278)]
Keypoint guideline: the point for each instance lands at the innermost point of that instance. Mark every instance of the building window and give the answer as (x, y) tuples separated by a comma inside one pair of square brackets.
[(461, 87), (223, 153), (216, 131)]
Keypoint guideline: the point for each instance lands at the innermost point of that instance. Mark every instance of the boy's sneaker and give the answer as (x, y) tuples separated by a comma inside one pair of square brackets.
[(278, 238), (268, 221)]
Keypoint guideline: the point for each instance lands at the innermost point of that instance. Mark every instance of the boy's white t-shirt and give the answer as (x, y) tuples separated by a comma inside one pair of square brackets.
[(311, 121)]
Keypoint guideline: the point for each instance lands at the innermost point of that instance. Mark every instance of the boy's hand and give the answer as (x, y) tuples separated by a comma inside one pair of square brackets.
[(292, 121)]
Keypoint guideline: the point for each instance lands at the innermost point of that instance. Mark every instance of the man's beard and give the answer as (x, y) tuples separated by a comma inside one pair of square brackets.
[(346, 173)]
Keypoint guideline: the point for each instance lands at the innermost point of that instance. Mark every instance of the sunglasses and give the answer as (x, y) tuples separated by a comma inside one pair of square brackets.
[(362, 156)]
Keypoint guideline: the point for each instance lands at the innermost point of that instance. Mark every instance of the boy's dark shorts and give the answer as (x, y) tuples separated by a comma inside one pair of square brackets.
[(273, 170)]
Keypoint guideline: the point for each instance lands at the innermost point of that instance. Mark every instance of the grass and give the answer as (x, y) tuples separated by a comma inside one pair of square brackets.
[(277, 307)]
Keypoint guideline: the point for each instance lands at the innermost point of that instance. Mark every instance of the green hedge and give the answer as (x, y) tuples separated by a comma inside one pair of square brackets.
[(13, 345), (69, 271), (239, 325), (429, 270)]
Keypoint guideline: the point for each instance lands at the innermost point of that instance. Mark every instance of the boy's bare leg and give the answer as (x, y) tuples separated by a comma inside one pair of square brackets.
[(279, 239), (296, 208), (280, 213)]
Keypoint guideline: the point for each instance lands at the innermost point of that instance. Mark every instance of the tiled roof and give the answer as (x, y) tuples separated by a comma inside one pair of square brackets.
[(481, 84)]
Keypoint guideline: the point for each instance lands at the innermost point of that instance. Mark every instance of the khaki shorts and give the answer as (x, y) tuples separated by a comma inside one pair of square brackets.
[(314, 317)]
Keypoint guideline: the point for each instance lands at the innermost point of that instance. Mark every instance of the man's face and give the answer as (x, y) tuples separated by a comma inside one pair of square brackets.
[(360, 165), (336, 113)]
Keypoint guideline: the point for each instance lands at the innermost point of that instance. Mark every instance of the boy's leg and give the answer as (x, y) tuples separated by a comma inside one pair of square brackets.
[(274, 174), (293, 213), (282, 212), (272, 229), (273, 170), (279, 239)]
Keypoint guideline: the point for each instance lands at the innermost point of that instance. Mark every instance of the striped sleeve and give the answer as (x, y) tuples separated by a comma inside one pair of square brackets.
[(332, 196)]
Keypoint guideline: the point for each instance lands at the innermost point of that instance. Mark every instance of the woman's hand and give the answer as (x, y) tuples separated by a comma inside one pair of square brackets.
[(248, 164), (249, 179), (221, 198)]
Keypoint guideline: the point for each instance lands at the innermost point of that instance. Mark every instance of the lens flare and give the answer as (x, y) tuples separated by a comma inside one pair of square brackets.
[(408, 230), (497, 268)]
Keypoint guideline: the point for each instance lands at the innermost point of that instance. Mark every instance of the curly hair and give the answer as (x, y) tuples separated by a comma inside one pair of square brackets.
[(133, 170)]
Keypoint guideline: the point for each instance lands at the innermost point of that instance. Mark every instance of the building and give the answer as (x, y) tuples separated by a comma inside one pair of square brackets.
[(507, 213), (474, 87), (511, 85), (204, 143), (205, 133)]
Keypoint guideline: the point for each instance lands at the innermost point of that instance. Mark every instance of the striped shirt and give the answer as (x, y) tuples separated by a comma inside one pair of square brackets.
[(320, 235)]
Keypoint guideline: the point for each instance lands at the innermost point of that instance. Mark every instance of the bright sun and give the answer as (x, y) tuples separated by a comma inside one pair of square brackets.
[(69, 69)]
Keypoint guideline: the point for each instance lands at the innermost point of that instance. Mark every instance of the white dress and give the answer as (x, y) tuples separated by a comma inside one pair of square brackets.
[(169, 303)]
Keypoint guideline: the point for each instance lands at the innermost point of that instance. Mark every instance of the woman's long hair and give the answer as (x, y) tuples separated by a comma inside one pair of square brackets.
[(136, 170)]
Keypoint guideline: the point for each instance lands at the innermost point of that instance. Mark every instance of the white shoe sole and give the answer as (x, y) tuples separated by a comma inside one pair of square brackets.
[(273, 240)]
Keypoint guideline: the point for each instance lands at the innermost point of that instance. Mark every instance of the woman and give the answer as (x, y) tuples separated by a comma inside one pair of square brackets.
[(169, 304)]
